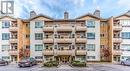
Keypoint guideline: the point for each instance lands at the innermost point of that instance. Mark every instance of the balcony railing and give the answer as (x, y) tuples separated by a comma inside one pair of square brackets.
[(64, 40), (81, 28), (64, 28), (48, 29), (117, 40), (48, 52), (81, 40), (81, 52), (13, 40), (65, 52), (117, 27), (13, 28), (13, 52), (48, 40), (117, 52)]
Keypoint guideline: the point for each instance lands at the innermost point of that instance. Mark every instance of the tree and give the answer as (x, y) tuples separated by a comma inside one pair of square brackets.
[(106, 53), (23, 53)]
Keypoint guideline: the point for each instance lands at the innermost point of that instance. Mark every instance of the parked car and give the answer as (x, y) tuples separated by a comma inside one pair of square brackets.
[(28, 62), (3, 62), (126, 62)]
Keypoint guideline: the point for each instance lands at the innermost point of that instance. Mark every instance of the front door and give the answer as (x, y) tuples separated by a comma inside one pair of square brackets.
[(64, 59), (13, 58), (116, 58)]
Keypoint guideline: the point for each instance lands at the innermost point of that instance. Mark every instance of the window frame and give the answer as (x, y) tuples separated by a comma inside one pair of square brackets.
[(92, 34), (5, 24), (90, 23), (38, 36), (5, 36), (38, 24), (37, 46)]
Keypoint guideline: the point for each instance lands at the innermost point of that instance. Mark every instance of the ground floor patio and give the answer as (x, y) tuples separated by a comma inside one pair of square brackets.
[(65, 58)]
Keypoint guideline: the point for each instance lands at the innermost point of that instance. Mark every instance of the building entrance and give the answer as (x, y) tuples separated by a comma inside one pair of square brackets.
[(64, 59)]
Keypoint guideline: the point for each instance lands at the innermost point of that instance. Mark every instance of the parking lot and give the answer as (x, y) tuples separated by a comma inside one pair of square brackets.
[(91, 67)]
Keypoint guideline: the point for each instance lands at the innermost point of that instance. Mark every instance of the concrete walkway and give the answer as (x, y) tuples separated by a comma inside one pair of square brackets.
[(65, 67)]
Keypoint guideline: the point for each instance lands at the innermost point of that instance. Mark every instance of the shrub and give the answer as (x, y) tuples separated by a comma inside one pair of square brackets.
[(55, 63), (51, 63), (78, 64), (48, 64)]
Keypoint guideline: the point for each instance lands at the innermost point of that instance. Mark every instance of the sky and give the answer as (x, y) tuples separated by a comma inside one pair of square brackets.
[(76, 8)]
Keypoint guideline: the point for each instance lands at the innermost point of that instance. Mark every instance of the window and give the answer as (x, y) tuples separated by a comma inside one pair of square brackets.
[(5, 24), (5, 36), (56, 35), (38, 24), (56, 46), (102, 46), (38, 47), (5, 47), (102, 35), (126, 35), (38, 57), (103, 24), (72, 46), (91, 47), (91, 57), (38, 36), (5, 57), (90, 24), (27, 36), (73, 35), (46, 36), (80, 58), (27, 46), (125, 47), (125, 22), (125, 57), (90, 35), (28, 25)]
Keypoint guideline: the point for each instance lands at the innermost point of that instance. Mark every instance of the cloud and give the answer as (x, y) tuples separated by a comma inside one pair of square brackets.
[(125, 3), (94, 1), (53, 8), (79, 3), (56, 8)]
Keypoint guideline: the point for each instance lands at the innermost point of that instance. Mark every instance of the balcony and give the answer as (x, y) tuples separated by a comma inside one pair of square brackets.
[(117, 27), (81, 40), (64, 40), (64, 28), (13, 40), (117, 40), (81, 52), (48, 40), (65, 52), (117, 52), (13, 28), (48, 29), (48, 52), (81, 28), (13, 52)]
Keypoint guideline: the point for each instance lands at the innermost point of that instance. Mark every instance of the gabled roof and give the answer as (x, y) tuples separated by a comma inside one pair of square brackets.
[(64, 20), (89, 14), (40, 15), (125, 14), (7, 16)]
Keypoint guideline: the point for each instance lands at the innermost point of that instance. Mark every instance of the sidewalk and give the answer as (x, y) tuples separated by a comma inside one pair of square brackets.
[(65, 67)]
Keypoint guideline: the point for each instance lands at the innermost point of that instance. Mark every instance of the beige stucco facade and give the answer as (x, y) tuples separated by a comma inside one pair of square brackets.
[(86, 38)]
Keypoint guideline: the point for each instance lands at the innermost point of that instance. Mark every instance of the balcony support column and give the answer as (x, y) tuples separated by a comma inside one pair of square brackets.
[(59, 59), (70, 58)]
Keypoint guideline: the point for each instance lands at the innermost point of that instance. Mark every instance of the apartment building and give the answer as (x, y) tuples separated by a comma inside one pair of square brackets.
[(85, 38), (13, 42), (65, 39), (121, 37)]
